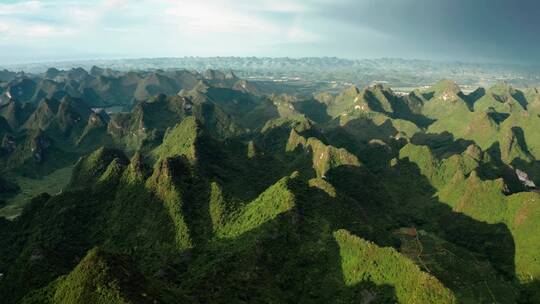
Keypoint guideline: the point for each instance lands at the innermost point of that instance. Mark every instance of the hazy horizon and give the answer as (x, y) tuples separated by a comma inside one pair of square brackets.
[(134, 58)]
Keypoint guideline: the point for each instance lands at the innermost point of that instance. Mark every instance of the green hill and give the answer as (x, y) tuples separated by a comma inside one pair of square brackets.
[(100, 277), (204, 189)]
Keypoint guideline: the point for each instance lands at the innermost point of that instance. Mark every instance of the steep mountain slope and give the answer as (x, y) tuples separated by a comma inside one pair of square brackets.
[(217, 194), (251, 237), (503, 98), (100, 277), (443, 99)]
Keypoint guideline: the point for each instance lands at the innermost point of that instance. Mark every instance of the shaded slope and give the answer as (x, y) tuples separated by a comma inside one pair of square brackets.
[(100, 277)]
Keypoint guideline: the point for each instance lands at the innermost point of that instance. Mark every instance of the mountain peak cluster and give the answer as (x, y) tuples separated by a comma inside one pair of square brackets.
[(175, 186)]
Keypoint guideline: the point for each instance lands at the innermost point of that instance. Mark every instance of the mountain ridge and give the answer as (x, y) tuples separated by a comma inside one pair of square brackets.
[(221, 193)]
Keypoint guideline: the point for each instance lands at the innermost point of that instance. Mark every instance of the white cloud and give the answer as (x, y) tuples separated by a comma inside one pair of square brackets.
[(18, 31), (214, 17), (238, 18), (45, 31), (28, 20), (86, 16), (299, 35), (157, 27), (290, 6), (111, 4), (25, 7)]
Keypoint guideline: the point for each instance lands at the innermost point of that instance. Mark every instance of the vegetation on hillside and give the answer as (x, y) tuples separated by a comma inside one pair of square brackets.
[(212, 191)]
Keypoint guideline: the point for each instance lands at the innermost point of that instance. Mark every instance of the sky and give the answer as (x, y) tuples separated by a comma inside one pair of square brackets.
[(448, 30)]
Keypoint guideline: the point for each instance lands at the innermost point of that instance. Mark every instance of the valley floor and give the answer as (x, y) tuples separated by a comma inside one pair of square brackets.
[(30, 187)]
